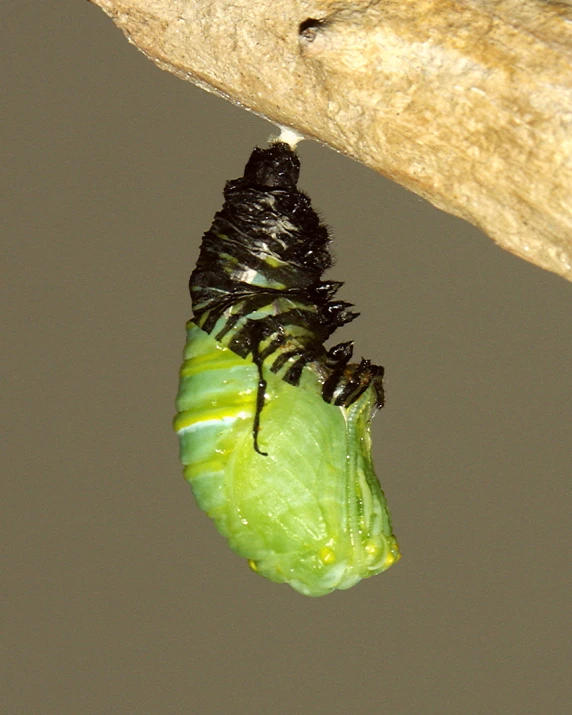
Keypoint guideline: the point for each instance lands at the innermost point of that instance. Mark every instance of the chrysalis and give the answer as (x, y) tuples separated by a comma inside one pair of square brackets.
[(274, 428)]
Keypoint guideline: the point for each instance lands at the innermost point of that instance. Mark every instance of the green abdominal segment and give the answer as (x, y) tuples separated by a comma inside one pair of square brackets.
[(311, 513)]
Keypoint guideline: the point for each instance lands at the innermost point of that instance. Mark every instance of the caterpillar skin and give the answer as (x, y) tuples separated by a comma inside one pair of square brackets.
[(274, 429)]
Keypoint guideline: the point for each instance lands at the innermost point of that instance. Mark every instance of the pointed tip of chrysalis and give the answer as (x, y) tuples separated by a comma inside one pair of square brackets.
[(277, 166)]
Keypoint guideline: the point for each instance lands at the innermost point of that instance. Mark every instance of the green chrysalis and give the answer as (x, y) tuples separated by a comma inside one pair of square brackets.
[(274, 428)]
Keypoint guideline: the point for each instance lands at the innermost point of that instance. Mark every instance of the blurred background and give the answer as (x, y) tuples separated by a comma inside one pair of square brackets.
[(122, 598)]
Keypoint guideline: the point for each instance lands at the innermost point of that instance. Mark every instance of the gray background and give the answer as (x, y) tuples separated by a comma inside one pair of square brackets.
[(122, 598)]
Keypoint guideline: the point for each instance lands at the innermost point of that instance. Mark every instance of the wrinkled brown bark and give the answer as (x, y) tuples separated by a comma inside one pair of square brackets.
[(466, 102)]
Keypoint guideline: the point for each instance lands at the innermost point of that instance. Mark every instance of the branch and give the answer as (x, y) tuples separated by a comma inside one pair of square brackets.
[(468, 103)]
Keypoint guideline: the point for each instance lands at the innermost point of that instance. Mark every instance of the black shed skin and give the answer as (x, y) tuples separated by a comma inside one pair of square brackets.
[(260, 268)]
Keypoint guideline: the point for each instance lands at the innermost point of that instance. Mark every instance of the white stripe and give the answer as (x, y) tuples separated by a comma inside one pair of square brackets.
[(223, 422)]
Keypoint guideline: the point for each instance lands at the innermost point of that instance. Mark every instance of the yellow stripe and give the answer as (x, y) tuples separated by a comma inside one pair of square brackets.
[(199, 469), (206, 363)]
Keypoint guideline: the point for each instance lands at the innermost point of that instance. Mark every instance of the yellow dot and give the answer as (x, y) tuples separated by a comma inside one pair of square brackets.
[(252, 565), (391, 557), (389, 560), (327, 555)]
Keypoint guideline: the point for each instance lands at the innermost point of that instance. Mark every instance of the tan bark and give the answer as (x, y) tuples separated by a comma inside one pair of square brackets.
[(466, 102)]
